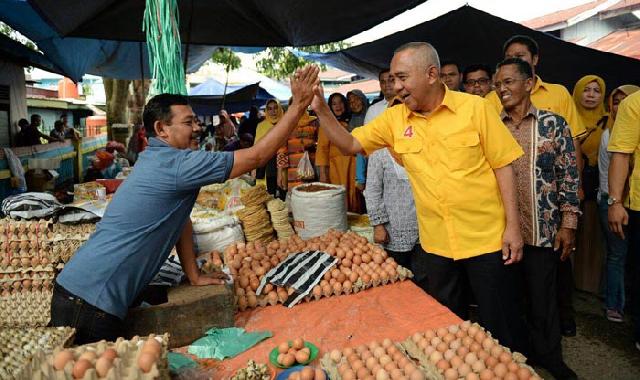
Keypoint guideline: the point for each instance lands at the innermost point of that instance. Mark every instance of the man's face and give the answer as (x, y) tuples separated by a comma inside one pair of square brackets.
[(37, 121), (272, 109), (355, 103), (413, 79), (478, 83), (183, 130), (63, 119), (386, 85), (450, 75), (337, 105), (512, 87), (517, 50)]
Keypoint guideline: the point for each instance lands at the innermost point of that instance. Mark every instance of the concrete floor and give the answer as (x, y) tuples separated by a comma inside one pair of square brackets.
[(601, 350)]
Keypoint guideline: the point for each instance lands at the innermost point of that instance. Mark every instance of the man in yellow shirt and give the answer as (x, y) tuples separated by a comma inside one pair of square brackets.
[(555, 98), (625, 143), (458, 156)]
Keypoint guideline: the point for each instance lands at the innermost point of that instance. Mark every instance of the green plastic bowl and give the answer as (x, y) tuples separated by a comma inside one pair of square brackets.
[(313, 354)]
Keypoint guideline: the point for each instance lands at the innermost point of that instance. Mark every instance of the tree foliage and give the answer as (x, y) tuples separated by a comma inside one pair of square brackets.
[(17, 36), (280, 63), (227, 58)]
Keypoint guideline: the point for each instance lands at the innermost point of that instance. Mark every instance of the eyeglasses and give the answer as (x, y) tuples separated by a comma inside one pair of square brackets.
[(507, 82), (473, 82)]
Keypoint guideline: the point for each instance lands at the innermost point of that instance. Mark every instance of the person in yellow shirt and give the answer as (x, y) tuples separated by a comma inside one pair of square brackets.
[(625, 144), (555, 98), (269, 173), (458, 156)]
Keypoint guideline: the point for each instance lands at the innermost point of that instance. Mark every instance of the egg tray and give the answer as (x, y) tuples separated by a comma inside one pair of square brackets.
[(19, 346), (124, 366), (332, 367), (412, 349), (25, 308), (63, 250), (26, 280)]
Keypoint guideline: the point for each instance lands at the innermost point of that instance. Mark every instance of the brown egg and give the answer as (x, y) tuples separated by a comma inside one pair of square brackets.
[(448, 338), (513, 367), (470, 358), (448, 354), (392, 350), (464, 370), (505, 357), (488, 343), (61, 359), (381, 375), (472, 376), (467, 341), (298, 343), (307, 373), (486, 374), (80, 368), (429, 334), (465, 325), (403, 362), (370, 362), (145, 361), (335, 355), (483, 355), (456, 362), (442, 347), (500, 370), (377, 367), (510, 376), (390, 367), (491, 362), (379, 352), (441, 332), (302, 357), (443, 365), (475, 347), (416, 375), (337, 288), (455, 344), (417, 337), (462, 351), (319, 374), (478, 366), (348, 375), (362, 372), (429, 350), (435, 357), (423, 344), (356, 365), (496, 351), (110, 354), (252, 300), (396, 374), (288, 360), (523, 373), (473, 330), (103, 365), (347, 351), (480, 336), (435, 341), (461, 334), (451, 374)]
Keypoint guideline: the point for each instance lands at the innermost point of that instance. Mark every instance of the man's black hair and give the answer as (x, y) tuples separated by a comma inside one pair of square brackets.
[(23, 123), (527, 41), (476, 67), (385, 70), (57, 124), (445, 63), (159, 108), (523, 67), (34, 117)]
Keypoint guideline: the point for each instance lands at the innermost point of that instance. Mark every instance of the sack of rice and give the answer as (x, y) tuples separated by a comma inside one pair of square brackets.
[(317, 207)]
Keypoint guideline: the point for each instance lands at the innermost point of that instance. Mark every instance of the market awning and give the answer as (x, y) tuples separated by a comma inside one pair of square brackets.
[(208, 97), (18, 53), (226, 22), (468, 35)]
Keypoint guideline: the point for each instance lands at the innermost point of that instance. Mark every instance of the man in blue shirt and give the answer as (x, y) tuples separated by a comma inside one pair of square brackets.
[(149, 215)]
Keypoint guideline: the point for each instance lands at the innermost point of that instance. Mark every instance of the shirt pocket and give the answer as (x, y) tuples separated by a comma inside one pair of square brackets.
[(411, 153), (463, 150)]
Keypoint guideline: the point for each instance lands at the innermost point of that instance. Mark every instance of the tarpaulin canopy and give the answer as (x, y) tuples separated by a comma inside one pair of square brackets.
[(468, 35), (18, 53), (226, 22), (207, 98)]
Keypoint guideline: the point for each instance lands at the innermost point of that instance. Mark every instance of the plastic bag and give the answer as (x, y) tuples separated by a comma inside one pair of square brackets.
[(226, 342), (305, 168)]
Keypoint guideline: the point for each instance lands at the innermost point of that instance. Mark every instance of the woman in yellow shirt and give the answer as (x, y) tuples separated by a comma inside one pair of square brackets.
[(269, 173), (335, 167)]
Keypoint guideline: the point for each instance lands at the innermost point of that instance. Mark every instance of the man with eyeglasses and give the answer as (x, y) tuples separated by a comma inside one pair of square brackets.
[(450, 75), (547, 183), (477, 79)]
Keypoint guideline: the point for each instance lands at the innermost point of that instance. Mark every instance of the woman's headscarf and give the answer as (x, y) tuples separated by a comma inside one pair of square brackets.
[(590, 117), (357, 119), (626, 89), (276, 119), (346, 115)]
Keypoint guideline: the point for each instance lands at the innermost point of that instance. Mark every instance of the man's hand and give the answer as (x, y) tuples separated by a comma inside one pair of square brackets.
[(215, 278), (580, 194), (618, 218), (380, 235), (303, 83), (512, 244), (318, 99), (565, 240)]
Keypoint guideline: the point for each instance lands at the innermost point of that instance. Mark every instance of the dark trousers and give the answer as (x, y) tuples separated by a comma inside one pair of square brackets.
[(91, 323), (566, 286), (539, 268), (493, 284), (402, 258), (633, 235)]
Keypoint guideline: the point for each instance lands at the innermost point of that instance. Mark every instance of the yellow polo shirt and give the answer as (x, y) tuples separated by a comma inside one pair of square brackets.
[(625, 138), (550, 97), (449, 156)]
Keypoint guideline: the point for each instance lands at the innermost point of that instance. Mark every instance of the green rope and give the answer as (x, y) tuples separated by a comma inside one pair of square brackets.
[(161, 24)]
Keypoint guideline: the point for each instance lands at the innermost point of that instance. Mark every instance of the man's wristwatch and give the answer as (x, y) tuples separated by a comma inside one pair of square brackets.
[(611, 201)]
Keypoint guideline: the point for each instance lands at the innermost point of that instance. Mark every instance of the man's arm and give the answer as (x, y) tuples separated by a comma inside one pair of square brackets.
[(567, 179), (512, 242), (302, 85), (334, 132), (188, 260), (618, 172)]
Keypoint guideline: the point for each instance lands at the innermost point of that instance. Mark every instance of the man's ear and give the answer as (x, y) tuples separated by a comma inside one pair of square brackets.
[(534, 60), (433, 74), (160, 128)]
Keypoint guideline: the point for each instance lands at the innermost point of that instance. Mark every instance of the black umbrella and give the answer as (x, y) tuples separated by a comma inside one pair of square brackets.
[(226, 22)]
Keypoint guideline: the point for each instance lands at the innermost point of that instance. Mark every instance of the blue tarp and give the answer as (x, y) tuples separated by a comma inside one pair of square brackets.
[(207, 98), (16, 52), (79, 56)]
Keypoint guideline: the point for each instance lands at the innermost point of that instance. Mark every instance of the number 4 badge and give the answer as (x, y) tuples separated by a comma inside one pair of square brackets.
[(408, 132)]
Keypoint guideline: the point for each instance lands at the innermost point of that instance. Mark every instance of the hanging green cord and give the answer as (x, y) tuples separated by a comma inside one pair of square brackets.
[(161, 24)]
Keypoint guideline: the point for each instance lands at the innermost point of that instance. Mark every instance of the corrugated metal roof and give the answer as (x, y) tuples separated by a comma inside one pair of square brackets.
[(621, 5), (623, 42), (560, 16)]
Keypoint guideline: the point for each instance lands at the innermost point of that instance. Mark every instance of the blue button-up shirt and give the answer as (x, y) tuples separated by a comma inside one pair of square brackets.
[(141, 225)]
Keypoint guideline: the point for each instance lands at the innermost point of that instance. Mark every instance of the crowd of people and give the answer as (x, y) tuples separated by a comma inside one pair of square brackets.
[(476, 179)]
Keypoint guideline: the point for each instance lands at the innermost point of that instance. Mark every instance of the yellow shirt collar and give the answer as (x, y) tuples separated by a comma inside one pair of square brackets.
[(449, 101), (539, 84)]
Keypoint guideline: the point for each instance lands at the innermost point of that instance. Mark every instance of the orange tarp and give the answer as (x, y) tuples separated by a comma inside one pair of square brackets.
[(394, 311)]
